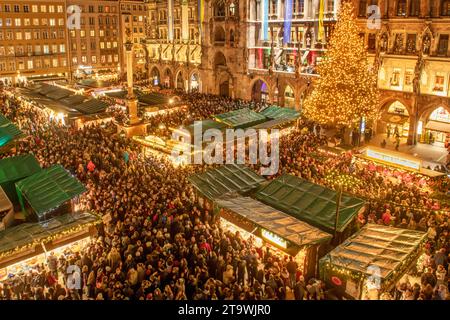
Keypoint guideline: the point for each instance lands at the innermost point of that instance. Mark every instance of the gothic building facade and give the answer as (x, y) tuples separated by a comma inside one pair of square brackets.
[(174, 44), (267, 50)]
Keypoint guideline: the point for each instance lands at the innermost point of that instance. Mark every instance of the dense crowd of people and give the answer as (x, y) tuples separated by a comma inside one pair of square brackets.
[(158, 245)]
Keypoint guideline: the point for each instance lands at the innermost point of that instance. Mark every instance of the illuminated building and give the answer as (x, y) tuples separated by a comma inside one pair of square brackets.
[(33, 40)]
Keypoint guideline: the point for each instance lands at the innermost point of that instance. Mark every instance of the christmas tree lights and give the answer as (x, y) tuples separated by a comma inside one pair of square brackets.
[(347, 88)]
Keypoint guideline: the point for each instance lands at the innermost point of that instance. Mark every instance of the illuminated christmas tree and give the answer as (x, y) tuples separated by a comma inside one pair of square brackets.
[(347, 88)]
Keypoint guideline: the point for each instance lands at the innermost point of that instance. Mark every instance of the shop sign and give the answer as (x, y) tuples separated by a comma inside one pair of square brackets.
[(392, 159), (271, 237)]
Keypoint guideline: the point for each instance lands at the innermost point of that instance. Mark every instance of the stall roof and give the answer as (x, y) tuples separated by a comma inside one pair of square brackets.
[(8, 131), (274, 112), (309, 202), (273, 123), (46, 89), (207, 124), (226, 179), (59, 93), (49, 188), (153, 99), (43, 101), (91, 106), (19, 167), (242, 118), (298, 232), (25, 234), (92, 83), (376, 245), (74, 100)]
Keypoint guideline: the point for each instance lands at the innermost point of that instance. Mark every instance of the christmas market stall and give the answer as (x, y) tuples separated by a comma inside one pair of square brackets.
[(278, 113), (270, 228), (48, 193), (224, 180), (27, 244), (14, 169), (9, 133), (241, 119), (313, 204), (396, 160), (191, 137), (372, 261)]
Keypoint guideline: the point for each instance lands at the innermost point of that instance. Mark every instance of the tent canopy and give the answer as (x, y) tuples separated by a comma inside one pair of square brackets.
[(226, 179), (8, 131), (274, 112), (15, 168), (295, 231), (375, 245), (309, 202), (49, 188), (27, 233), (242, 118)]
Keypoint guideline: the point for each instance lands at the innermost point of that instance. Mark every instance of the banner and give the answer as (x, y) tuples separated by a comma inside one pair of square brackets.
[(321, 29), (265, 21), (201, 14), (170, 20), (287, 22)]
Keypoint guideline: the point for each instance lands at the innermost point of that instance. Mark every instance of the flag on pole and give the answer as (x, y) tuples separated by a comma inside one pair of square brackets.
[(287, 22), (170, 20), (321, 28), (265, 21), (201, 13)]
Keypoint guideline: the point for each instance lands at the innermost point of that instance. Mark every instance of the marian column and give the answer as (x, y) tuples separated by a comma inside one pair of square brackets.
[(131, 99)]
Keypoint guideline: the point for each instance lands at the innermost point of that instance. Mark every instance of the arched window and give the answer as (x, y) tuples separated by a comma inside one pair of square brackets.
[(414, 8), (445, 8), (232, 9), (401, 8), (219, 8)]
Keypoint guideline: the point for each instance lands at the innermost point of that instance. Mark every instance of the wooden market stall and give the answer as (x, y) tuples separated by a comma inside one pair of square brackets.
[(48, 193), (224, 180), (32, 240), (273, 229), (372, 261), (312, 203)]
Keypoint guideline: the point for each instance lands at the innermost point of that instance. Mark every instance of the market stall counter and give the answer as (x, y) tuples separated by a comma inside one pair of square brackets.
[(372, 261), (269, 227)]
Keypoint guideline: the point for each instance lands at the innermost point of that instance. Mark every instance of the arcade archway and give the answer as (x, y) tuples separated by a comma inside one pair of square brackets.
[(180, 81), (395, 119), (434, 127), (194, 82), (155, 76), (168, 78), (260, 91)]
